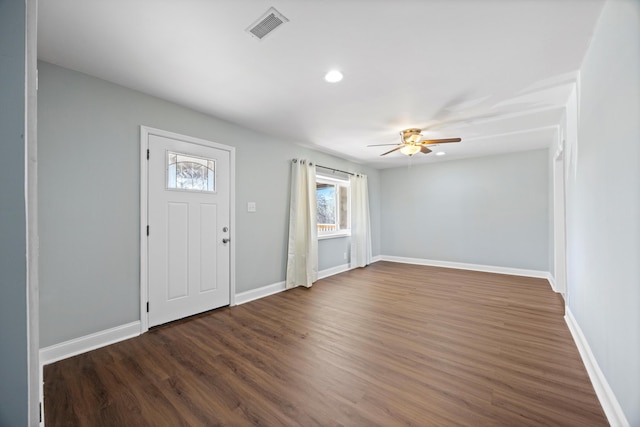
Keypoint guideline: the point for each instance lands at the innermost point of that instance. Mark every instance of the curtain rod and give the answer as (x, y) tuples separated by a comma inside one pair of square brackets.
[(335, 170), (331, 169)]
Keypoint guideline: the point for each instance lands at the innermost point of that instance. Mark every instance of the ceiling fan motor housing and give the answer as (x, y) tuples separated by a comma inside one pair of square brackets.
[(411, 136)]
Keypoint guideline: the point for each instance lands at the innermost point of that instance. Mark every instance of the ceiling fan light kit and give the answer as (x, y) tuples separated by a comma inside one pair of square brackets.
[(410, 150)]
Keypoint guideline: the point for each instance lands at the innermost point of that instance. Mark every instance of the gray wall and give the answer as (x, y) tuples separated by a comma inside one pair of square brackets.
[(603, 203), (489, 211), (89, 200), (13, 264), (331, 252)]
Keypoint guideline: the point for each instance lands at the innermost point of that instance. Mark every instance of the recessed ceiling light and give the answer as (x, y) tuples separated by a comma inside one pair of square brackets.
[(440, 153), (333, 76)]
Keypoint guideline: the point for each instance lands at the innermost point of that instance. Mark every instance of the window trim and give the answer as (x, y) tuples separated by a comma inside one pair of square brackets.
[(334, 234)]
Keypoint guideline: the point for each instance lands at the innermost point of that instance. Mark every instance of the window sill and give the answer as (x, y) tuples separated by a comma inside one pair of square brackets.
[(334, 235)]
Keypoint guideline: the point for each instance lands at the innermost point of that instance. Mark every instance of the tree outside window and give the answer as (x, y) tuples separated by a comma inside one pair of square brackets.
[(332, 197)]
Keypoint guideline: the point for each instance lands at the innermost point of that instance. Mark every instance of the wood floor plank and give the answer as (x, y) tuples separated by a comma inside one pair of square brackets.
[(389, 344)]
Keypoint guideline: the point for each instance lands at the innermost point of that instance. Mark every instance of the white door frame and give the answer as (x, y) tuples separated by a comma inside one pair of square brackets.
[(145, 131), (559, 221)]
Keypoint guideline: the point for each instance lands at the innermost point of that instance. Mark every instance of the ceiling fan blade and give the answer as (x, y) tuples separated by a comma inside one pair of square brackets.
[(424, 150), (439, 141), (379, 145), (391, 151)]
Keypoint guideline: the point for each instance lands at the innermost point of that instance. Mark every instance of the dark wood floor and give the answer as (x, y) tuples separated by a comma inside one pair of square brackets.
[(391, 344)]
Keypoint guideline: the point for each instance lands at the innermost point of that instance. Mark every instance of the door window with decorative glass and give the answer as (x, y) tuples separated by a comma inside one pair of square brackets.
[(185, 172)]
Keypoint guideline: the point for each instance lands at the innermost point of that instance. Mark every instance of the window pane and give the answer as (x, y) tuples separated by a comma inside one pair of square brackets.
[(190, 173), (344, 215), (326, 200), (332, 196)]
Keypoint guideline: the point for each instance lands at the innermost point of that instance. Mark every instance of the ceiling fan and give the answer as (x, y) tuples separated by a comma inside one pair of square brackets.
[(411, 142)]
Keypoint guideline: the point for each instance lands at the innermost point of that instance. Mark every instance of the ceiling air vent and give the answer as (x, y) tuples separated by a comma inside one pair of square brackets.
[(268, 22)]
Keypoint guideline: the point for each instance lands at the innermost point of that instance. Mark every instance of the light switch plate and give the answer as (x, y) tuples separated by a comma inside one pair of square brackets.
[(251, 206)]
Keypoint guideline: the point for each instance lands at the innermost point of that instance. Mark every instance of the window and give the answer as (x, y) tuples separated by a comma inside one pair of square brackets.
[(186, 172), (332, 197)]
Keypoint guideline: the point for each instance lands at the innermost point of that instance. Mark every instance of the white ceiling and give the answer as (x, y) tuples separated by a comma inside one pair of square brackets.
[(495, 73)]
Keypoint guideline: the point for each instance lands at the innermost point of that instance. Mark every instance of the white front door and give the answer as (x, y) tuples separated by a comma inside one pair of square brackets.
[(188, 235)]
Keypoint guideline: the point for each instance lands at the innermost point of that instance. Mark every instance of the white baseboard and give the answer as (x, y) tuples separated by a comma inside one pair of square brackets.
[(376, 258), (332, 271), (265, 291), (80, 345), (464, 266), (88, 342), (607, 398), (258, 293), (110, 336), (552, 282)]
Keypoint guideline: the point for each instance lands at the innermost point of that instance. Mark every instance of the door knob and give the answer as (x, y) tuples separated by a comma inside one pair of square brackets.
[(226, 240)]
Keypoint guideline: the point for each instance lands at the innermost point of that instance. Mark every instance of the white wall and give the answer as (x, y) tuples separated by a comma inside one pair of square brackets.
[(89, 200), (491, 211), (551, 211), (603, 203)]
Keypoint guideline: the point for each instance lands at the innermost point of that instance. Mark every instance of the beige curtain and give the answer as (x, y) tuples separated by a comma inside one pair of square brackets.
[(302, 259), (360, 223)]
